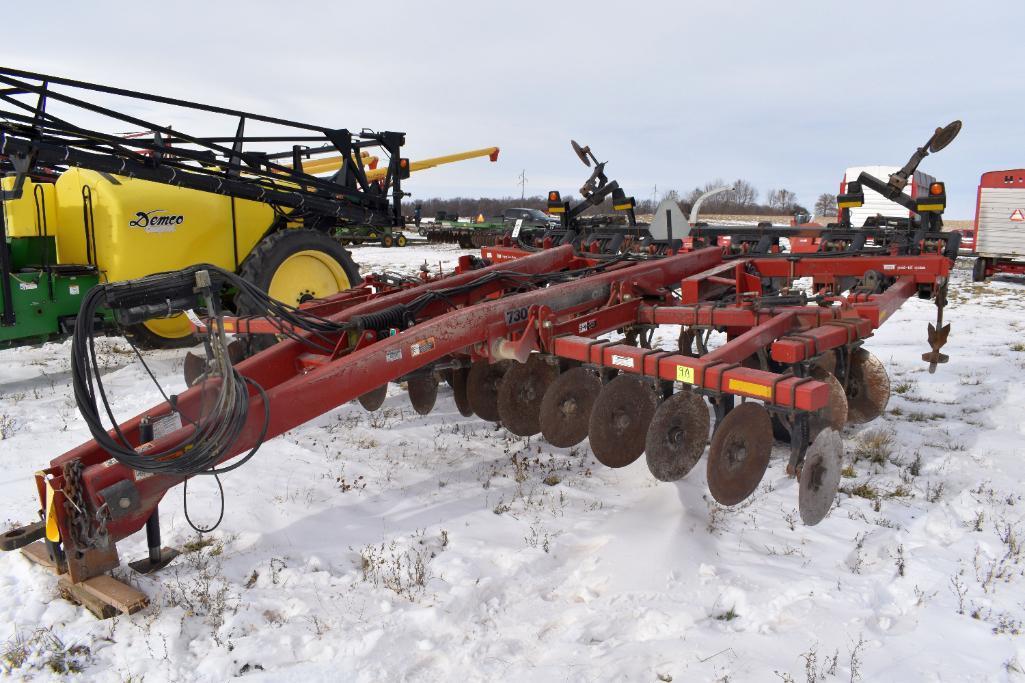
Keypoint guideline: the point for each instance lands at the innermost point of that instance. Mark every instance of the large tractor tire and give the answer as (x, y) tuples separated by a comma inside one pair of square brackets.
[(293, 266)]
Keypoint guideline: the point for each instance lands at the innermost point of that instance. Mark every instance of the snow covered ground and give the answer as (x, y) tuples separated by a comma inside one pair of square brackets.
[(390, 546)]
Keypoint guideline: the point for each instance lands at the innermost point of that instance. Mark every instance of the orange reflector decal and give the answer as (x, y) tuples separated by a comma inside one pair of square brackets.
[(750, 388)]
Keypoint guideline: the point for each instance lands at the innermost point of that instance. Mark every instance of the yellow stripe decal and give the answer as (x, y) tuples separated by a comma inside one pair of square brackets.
[(52, 530), (556, 209), (684, 374), (750, 388), (849, 205), (621, 207), (931, 207)]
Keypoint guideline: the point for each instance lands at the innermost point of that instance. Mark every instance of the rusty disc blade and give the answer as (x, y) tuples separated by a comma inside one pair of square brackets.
[(820, 476), (372, 400), (677, 436), (482, 387), (458, 382), (619, 421), (566, 407), (519, 396), (195, 366), (236, 351), (868, 388), (739, 454), (834, 415), (827, 362), (423, 392)]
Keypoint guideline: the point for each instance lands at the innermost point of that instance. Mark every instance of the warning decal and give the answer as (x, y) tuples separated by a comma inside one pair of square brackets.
[(1018, 216), (422, 346)]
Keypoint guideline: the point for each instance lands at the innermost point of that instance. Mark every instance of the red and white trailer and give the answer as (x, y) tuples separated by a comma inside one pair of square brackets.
[(1000, 224)]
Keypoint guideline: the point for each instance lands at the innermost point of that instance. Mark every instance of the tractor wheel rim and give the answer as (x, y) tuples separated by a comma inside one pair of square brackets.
[(175, 327), (307, 274)]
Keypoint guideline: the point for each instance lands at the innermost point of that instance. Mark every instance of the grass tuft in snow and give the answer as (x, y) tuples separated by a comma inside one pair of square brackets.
[(43, 650), (874, 445), (403, 568)]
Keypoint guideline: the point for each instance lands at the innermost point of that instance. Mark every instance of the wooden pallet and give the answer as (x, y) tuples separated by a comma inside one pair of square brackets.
[(104, 596)]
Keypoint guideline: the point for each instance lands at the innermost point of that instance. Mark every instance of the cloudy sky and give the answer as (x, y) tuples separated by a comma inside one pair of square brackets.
[(780, 93)]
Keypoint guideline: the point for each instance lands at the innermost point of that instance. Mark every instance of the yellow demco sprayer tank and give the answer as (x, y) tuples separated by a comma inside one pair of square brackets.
[(130, 228)]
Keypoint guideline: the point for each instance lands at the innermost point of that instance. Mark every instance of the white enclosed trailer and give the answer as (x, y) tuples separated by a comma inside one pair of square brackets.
[(877, 204), (1000, 223)]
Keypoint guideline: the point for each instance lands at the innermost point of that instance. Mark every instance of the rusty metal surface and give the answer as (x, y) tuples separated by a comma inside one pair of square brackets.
[(521, 391), (835, 414), (372, 400), (423, 392), (619, 421), (868, 388), (739, 453), (457, 380), (677, 436), (566, 407), (820, 476), (482, 387)]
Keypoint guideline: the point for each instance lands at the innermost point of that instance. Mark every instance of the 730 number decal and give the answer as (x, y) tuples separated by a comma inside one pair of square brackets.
[(516, 315)]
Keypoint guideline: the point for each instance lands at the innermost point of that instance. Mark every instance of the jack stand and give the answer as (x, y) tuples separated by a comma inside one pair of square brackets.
[(158, 557)]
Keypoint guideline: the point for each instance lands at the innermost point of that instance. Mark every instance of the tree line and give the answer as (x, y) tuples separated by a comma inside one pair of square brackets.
[(742, 198)]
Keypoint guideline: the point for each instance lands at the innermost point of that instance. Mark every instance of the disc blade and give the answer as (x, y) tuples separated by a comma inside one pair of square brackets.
[(195, 366), (423, 392), (458, 382), (834, 415), (677, 436), (372, 400), (619, 421), (566, 407), (868, 388), (739, 453), (482, 387), (236, 351), (827, 362), (820, 476), (519, 396)]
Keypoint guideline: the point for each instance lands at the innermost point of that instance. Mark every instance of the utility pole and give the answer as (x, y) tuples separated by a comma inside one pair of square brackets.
[(523, 184)]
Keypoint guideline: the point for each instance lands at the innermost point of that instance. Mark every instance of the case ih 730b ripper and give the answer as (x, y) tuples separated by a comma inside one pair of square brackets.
[(521, 336)]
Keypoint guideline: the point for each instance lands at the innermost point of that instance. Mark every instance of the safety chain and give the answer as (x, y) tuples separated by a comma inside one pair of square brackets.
[(85, 532)]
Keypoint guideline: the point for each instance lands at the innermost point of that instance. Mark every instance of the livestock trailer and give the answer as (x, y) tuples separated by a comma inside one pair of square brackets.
[(1000, 224)]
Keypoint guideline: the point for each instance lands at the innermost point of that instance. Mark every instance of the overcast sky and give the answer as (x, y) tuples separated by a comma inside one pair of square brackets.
[(779, 93)]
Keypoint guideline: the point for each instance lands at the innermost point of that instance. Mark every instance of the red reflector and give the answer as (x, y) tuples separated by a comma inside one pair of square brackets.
[(936, 188)]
